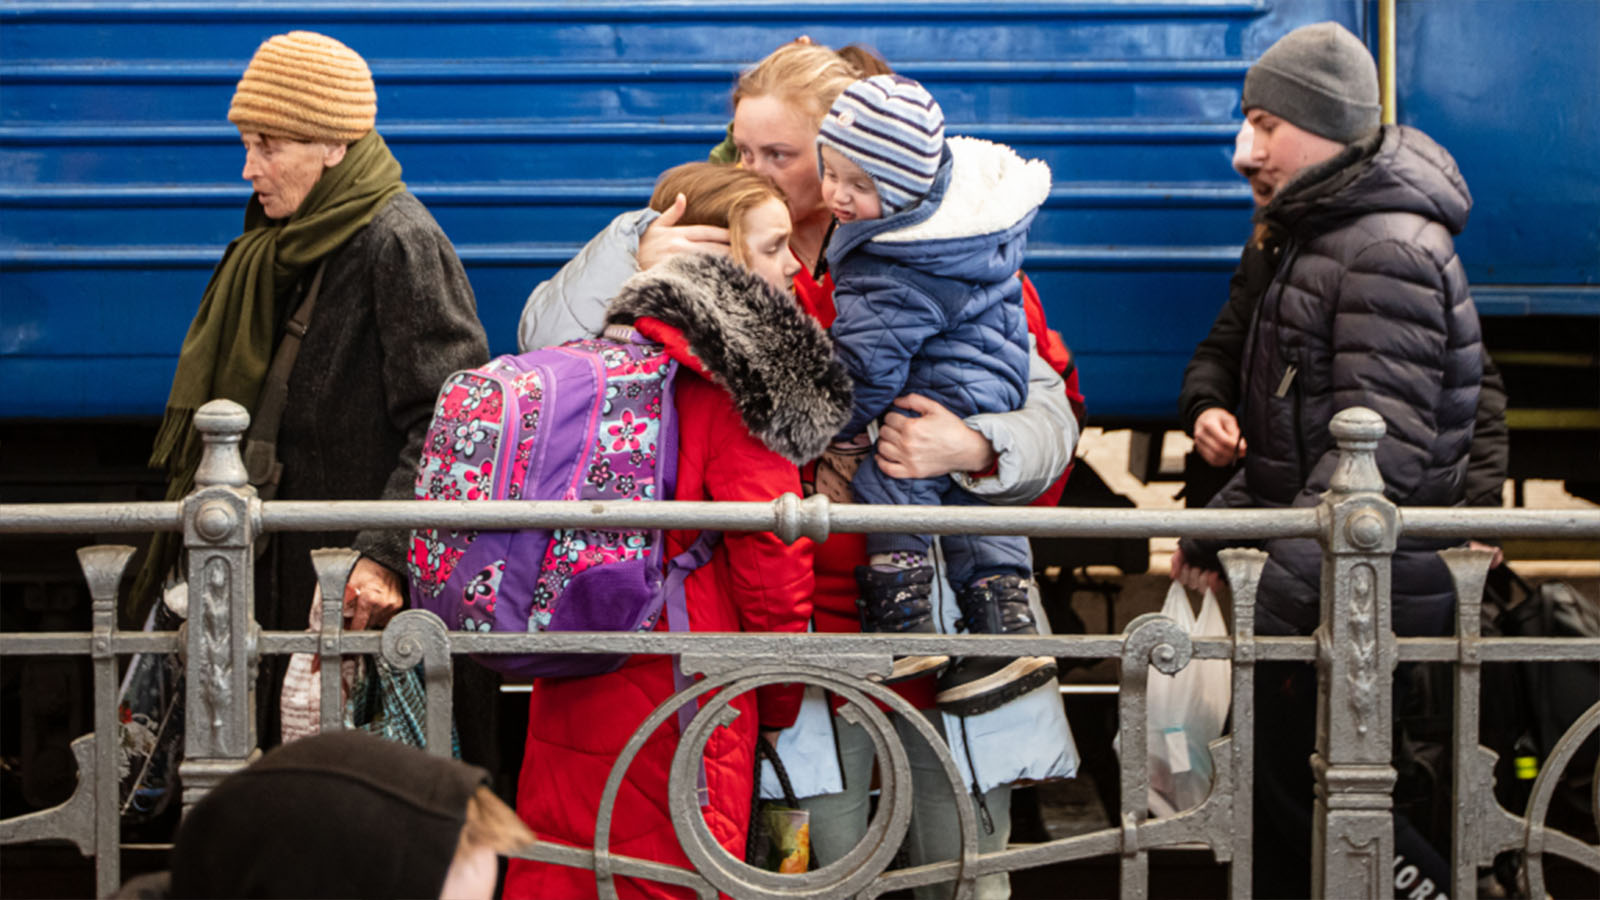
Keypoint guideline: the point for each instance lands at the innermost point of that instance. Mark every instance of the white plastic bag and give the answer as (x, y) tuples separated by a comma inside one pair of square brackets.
[(1186, 712), (300, 702)]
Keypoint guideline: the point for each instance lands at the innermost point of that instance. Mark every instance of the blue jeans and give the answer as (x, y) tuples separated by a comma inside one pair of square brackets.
[(839, 821)]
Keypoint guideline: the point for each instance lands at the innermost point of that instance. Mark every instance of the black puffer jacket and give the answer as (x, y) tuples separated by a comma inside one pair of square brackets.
[(1212, 377), (1369, 307)]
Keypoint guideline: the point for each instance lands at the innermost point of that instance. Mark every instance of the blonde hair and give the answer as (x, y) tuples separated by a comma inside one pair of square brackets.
[(808, 77), (492, 824), (716, 195)]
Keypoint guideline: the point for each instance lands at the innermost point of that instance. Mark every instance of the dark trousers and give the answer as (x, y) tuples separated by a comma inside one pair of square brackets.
[(1286, 736), (968, 556)]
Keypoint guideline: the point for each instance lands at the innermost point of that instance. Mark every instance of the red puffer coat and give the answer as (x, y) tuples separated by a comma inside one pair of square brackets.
[(757, 391)]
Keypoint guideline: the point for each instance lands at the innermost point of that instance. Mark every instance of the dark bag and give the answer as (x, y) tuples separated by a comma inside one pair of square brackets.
[(779, 839), (1548, 698), (1525, 708)]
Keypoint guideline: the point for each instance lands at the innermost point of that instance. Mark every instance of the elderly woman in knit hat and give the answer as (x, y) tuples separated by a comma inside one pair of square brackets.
[(336, 256)]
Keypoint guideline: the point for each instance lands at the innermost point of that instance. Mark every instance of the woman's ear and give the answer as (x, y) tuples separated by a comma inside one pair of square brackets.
[(332, 155)]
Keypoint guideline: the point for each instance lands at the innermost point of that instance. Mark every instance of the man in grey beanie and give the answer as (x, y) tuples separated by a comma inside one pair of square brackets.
[(1320, 81), (1362, 302)]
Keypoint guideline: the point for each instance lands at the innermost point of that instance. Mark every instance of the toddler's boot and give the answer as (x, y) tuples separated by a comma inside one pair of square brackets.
[(899, 601), (977, 684)]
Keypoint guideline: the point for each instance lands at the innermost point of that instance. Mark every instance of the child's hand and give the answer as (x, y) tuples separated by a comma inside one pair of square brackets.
[(665, 238)]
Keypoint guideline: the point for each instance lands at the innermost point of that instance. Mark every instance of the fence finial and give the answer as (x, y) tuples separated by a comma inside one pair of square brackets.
[(223, 423), (1358, 431)]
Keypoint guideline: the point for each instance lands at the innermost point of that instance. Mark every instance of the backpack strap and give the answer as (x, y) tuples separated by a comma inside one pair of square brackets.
[(261, 441), (678, 571)]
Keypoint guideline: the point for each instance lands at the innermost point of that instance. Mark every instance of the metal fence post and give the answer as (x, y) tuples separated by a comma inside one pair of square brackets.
[(219, 525), (1353, 826), (102, 568)]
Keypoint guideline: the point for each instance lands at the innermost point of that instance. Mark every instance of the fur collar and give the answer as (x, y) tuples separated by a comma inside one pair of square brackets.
[(774, 360), (991, 189)]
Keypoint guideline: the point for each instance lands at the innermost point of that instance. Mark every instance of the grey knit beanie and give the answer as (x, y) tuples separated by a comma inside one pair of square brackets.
[(893, 129), (1320, 78)]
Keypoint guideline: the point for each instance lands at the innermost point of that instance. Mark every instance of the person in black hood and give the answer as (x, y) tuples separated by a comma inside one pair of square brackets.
[(1367, 305), (342, 814)]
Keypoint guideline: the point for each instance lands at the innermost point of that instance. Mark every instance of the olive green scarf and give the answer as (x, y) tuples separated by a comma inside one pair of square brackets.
[(231, 341)]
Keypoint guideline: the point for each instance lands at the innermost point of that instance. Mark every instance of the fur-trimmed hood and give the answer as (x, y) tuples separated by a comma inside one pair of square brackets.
[(774, 360)]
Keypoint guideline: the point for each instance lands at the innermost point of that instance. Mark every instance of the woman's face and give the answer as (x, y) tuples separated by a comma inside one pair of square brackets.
[(780, 142), (766, 244)]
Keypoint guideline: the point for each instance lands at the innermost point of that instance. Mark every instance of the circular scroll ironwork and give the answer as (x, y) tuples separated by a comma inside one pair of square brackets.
[(1544, 788), (718, 870)]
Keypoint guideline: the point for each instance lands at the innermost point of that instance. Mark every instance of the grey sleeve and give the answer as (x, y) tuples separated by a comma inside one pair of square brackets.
[(572, 303), (1034, 444)]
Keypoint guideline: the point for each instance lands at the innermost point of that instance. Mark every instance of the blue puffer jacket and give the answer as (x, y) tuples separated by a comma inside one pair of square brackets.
[(928, 299)]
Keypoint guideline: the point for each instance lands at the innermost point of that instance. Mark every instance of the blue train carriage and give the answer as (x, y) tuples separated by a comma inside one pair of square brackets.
[(525, 128)]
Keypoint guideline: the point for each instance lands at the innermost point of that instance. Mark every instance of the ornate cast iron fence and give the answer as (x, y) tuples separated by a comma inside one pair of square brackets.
[(1354, 648)]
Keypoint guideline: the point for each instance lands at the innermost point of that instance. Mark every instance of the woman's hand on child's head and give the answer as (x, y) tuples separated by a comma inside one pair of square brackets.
[(665, 238), (931, 443)]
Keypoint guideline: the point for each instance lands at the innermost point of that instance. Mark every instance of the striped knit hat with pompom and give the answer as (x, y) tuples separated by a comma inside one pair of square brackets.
[(893, 129), (306, 86)]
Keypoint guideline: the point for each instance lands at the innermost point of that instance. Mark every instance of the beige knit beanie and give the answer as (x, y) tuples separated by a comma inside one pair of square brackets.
[(306, 86)]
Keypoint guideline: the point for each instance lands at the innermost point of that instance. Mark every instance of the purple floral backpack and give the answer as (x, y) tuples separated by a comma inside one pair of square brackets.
[(588, 420)]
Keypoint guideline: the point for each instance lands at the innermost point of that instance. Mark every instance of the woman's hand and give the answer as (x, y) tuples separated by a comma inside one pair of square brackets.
[(372, 595), (1216, 436), (665, 238), (933, 443)]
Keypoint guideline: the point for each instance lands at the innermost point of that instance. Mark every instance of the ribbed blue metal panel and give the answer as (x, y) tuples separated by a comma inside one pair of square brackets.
[(526, 126), (1513, 89)]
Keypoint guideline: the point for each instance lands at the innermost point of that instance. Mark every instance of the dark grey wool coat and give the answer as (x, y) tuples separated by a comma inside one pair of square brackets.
[(1368, 307), (395, 316)]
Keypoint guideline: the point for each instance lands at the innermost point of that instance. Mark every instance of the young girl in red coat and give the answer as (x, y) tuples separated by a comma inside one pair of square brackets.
[(757, 393)]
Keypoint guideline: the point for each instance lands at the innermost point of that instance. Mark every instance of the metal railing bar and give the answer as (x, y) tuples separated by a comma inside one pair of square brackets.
[(79, 643), (1506, 649), (1467, 523), (289, 515), (300, 515), (755, 646), (742, 645), (90, 518)]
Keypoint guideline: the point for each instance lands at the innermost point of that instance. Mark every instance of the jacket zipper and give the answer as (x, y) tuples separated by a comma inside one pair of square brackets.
[(1293, 384)]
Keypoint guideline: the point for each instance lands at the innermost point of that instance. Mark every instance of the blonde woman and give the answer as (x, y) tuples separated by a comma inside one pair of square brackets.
[(1007, 458)]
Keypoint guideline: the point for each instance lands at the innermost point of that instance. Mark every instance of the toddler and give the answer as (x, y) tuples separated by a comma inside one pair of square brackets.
[(924, 261)]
